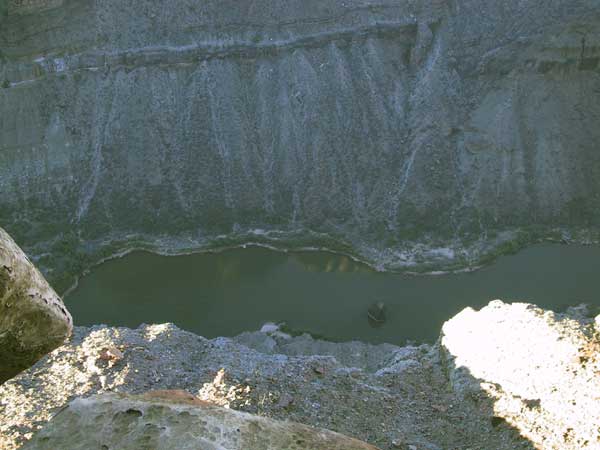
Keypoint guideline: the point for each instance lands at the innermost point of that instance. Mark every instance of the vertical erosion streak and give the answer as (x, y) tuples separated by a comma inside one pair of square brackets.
[(172, 89), (407, 169), (386, 116), (338, 162), (222, 146), (102, 118), (266, 89), (423, 83), (305, 88)]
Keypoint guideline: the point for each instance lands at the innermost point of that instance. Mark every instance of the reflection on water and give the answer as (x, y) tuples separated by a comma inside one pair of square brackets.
[(327, 262), (238, 290), (232, 265)]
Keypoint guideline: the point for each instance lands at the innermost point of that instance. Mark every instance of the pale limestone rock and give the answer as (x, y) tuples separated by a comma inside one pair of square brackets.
[(176, 420), (540, 369)]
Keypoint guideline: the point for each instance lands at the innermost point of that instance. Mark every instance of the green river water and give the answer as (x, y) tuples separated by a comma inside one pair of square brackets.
[(238, 290)]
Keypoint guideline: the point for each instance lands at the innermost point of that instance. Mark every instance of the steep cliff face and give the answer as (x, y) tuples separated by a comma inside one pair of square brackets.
[(368, 127)]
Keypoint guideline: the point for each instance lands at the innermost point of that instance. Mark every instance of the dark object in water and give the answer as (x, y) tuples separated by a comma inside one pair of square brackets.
[(376, 314)]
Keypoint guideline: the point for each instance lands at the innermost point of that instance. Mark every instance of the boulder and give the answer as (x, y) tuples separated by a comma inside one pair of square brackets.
[(176, 420), (537, 368), (33, 319)]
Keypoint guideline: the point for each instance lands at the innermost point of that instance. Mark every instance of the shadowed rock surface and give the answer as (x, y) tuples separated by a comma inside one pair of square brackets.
[(33, 319), (173, 422), (414, 134)]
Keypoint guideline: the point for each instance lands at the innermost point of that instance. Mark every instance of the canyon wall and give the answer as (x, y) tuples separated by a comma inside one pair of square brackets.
[(412, 134)]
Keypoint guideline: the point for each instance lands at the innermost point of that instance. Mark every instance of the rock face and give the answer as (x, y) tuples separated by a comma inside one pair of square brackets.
[(409, 133), (33, 319), (540, 369), (174, 422)]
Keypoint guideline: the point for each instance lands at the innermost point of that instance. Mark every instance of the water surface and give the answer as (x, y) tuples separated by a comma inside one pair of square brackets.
[(238, 290)]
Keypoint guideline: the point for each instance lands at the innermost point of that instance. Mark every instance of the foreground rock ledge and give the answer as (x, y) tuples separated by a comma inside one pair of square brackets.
[(33, 319), (172, 421), (511, 376), (384, 395)]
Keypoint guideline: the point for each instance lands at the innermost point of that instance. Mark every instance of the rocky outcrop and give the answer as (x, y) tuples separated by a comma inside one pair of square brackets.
[(174, 420), (408, 133), (33, 319), (390, 397), (539, 369), (511, 376)]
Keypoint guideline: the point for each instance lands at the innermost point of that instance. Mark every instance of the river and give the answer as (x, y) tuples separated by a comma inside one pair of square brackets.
[(224, 294)]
